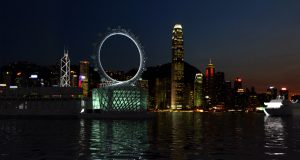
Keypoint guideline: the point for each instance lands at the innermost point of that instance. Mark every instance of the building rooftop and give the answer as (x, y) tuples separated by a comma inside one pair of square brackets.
[(178, 26)]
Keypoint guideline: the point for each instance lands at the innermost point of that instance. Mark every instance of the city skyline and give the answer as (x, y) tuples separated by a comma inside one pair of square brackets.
[(255, 40)]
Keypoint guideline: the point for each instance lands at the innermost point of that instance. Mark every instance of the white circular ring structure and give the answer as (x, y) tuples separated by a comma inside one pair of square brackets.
[(141, 53)]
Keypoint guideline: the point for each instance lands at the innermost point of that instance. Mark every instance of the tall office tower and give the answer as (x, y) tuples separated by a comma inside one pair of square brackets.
[(284, 92), (210, 88), (73, 79), (188, 96), (177, 75), (198, 90), (84, 77), (237, 86), (239, 93), (220, 87), (228, 94), (65, 70), (228, 85), (272, 92)]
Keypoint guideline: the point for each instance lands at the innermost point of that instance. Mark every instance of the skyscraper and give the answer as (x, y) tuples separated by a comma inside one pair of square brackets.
[(239, 93), (65, 70), (210, 88), (272, 92), (228, 95), (220, 87), (198, 90), (238, 84), (73, 79), (84, 77), (284, 92), (177, 71)]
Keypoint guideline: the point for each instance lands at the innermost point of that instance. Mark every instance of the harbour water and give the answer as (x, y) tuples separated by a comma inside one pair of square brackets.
[(167, 136)]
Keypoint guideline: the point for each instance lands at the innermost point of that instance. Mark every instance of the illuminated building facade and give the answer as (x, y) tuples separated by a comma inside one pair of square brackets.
[(162, 93), (73, 79), (238, 85), (177, 70), (6, 78), (284, 92), (198, 90), (54, 78), (84, 77), (272, 92), (120, 98), (210, 88), (129, 95), (188, 96), (239, 93)]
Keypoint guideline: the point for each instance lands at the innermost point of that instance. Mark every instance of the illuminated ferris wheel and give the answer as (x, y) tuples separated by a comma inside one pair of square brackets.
[(97, 57)]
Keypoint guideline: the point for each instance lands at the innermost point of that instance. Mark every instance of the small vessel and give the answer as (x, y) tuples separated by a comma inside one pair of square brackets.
[(282, 107)]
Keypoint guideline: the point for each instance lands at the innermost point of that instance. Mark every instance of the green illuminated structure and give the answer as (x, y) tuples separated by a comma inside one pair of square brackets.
[(120, 98)]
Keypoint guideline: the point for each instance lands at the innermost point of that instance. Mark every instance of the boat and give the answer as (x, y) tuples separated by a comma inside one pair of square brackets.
[(282, 107)]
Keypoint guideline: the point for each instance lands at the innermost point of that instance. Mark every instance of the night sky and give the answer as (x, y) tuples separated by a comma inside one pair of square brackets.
[(257, 40)]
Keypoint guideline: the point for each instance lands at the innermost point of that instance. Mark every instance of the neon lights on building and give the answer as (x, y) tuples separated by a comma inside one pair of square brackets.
[(210, 87), (84, 77)]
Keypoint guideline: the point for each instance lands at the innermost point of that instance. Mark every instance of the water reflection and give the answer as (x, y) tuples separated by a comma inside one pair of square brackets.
[(275, 137), (38, 139), (168, 136), (206, 136), (114, 139)]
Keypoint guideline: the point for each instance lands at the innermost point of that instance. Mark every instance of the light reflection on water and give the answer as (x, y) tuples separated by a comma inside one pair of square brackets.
[(117, 139), (275, 136), (168, 136)]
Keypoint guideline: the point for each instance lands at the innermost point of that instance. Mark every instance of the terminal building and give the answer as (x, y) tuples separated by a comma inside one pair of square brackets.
[(41, 101)]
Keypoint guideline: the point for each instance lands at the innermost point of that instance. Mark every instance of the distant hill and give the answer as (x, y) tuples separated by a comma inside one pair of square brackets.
[(164, 71)]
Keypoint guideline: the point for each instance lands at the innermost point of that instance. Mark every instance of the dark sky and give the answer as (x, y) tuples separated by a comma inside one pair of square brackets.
[(258, 40)]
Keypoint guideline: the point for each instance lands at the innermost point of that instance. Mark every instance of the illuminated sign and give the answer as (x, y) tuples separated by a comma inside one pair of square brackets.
[(81, 77), (13, 87), (240, 90), (33, 76)]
